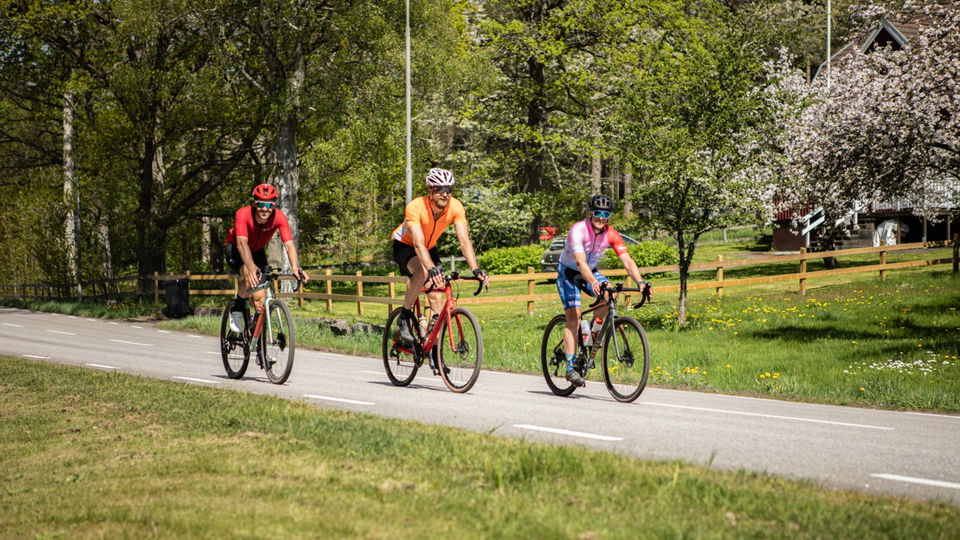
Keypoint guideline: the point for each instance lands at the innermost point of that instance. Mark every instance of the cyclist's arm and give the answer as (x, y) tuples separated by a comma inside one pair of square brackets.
[(631, 267), (586, 272), (466, 247), (249, 270), (294, 260), (423, 254)]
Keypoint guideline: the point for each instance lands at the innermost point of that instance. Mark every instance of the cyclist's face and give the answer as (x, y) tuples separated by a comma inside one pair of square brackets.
[(598, 222), (264, 209), (440, 197)]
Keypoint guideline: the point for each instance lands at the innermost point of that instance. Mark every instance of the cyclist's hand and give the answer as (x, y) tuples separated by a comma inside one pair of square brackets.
[(251, 276), (482, 276), (596, 286), (302, 276), (435, 277)]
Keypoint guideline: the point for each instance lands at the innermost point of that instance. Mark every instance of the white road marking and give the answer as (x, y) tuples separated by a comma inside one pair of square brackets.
[(196, 380), (35, 356), (163, 331), (568, 432), (132, 343), (954, 417), (13, 325), (101, 366), (370, 372), (795, 418), (194, 336), (912, 480), (135, 326), (211, 352), (63, 333), (111, 322), (91, 320), (341, 400)]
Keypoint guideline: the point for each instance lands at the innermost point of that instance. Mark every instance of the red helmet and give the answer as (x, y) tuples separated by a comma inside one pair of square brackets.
[(265, 192)]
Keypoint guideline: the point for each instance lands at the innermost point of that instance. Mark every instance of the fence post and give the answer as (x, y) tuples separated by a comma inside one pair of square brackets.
[(299, 293), (188, 282), (803, 271), (156, 287), (359, 293), (392, 287), (530, 292), (883, 261), (720, 272), (328, 272), (956, 254)]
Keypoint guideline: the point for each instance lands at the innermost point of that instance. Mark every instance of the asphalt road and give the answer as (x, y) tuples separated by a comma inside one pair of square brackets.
[(901, 453)]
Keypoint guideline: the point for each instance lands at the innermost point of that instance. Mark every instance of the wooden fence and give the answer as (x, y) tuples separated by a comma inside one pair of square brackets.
[(801, 276)]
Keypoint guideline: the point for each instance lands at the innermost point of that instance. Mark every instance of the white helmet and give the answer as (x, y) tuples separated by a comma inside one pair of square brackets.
[(438, 177)]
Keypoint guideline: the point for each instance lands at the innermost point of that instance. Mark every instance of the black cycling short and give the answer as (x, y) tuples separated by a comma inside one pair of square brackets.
[(402, 253), (232, 255)]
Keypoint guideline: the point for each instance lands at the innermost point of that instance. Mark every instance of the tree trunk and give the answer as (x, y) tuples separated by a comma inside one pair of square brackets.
[(535, 156), (103, 243), (628, 190), (596, 174), (684, 275), (71, 194), (151, 236)]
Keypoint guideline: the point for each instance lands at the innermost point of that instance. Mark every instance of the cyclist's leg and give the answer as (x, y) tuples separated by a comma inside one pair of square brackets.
[(570, 297), (601, 311)]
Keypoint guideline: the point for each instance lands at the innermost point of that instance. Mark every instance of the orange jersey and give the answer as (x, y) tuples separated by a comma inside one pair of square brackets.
[(419, 212)]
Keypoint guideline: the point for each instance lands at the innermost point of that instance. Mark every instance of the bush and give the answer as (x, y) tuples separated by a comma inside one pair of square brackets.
[(645, 254), (511, 260)]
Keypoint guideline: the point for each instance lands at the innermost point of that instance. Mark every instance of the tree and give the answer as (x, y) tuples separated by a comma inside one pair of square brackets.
[(698, 123)]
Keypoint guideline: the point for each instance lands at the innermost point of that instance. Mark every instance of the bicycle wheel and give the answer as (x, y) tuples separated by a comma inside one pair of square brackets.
[(626, 359), (552, 360), (460, 360), (401, 364), (278, 343), (234, 348)]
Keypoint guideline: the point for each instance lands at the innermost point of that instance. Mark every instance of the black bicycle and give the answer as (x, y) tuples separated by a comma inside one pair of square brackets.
[(271, 334), (626, 353)]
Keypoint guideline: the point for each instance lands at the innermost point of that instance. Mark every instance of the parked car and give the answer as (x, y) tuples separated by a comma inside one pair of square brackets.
[(551, 257)]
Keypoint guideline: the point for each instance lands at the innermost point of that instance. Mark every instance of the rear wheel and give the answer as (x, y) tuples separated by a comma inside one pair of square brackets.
[(400, 363), (278, 343), (460, 360), (553, 361), (626, 359), (234, 348)]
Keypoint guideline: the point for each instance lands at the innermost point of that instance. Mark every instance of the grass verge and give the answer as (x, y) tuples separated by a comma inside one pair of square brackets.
[(92, 454)]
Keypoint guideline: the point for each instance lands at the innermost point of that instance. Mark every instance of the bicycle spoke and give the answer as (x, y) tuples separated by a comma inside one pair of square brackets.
[(234, 349), (460, 350), (626, 359), (278, 342), (553, 361), (400, 363)]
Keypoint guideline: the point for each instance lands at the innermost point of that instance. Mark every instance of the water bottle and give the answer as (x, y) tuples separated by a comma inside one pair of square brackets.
[(585, 332), (423, 325), (597, 325)]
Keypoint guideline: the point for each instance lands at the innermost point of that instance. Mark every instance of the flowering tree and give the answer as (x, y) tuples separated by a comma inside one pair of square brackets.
[(884, 127)]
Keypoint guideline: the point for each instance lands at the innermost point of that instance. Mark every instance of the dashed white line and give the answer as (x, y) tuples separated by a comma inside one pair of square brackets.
[(912, 480), (370, 372), (568, 432), (218, 353), (135, 326), (62, 333), (90, 320), (954, 417), (163, 331), (341, 400), (35, 356), (194, 336), (112, 322), (196, 380), (13, 325), (72, 317), (101, 366), (132, 343), (794, 418)]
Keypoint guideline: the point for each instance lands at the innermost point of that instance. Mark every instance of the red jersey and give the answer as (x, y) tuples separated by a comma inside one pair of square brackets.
[(244, 224)]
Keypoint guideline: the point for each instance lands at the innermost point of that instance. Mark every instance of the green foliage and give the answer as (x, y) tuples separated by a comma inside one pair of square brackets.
[(511, 260), (496, 219), (645, 254)]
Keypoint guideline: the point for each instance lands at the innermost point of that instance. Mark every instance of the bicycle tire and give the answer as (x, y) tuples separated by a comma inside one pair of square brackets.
[(401, 367), (460, 363), (278, 342), (553, 362), (626, 373), (234, 348)]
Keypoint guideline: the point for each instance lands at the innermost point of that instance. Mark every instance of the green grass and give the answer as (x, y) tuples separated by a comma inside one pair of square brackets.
[(91, 454)]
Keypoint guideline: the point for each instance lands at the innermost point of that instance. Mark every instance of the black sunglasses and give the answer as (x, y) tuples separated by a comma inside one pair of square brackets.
[(441, 189)]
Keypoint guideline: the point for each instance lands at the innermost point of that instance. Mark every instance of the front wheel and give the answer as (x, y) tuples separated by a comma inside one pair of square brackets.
[(399, 362), (626, 359), (234, 348), (460, 350), (553, 361), (278, 344)]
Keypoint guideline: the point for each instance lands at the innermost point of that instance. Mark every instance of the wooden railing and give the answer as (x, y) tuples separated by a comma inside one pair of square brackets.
[(802, 276)]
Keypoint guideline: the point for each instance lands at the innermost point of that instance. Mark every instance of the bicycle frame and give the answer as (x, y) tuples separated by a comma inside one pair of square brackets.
[(611, 303), (449, 304)]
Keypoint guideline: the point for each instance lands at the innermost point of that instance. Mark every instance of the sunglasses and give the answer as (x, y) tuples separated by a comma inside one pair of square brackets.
[(441, 190), (601, 214), (266, 205)]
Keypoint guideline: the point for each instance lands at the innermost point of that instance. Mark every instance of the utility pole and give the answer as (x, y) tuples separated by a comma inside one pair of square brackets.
[(409, 169)]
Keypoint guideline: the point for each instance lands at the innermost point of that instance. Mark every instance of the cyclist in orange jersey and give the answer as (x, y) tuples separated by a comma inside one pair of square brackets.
[(415, 244)]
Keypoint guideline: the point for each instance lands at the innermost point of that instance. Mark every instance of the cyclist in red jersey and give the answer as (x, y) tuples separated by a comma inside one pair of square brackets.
[(246, 243), (415, 244)]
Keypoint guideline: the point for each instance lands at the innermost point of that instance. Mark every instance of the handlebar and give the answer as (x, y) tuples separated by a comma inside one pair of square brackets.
[(643, 289), (270, 275), (454, 276)]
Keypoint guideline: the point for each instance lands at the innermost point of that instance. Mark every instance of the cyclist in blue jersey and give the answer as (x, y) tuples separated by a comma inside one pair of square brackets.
[(577, 271)]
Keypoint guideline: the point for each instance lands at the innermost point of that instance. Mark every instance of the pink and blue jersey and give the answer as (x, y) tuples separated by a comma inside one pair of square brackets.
[(582, 239)]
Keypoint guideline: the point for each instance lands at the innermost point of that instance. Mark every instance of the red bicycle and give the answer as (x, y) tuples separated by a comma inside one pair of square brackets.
[(453, 345)]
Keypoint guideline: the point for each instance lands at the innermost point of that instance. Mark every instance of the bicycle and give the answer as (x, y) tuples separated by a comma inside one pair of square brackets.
[(624, 371), (455, 355), (271, 336)]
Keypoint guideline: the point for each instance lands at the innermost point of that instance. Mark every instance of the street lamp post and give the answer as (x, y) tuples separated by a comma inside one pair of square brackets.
[(409, 169)]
